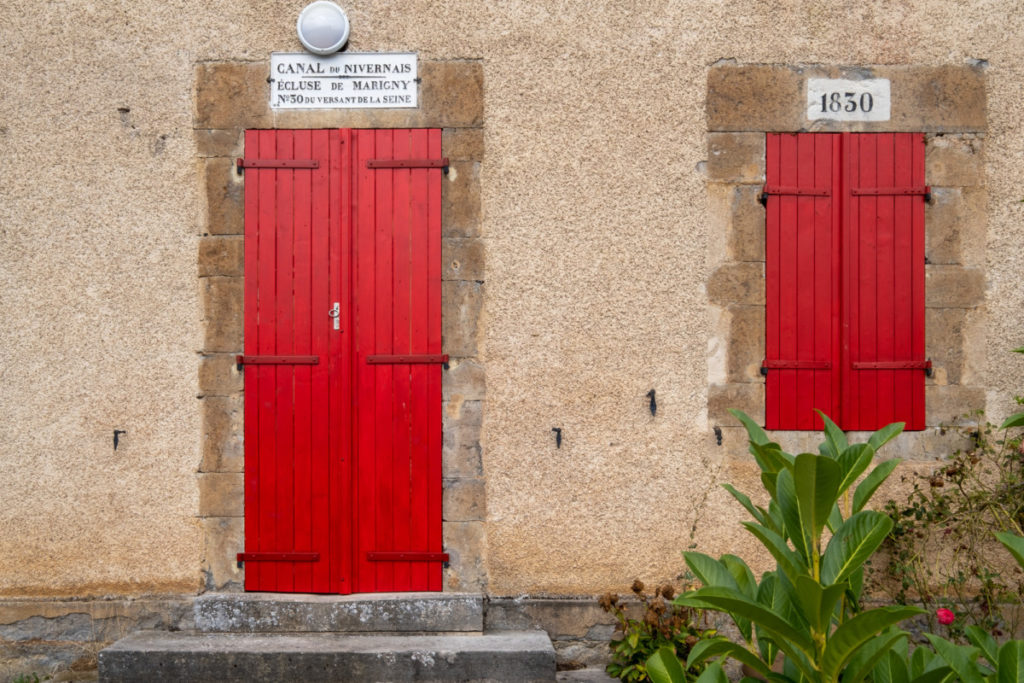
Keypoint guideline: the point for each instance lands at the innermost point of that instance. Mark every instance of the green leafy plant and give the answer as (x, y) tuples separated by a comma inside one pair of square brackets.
[(803, 621), (983, 660), (661, 624), (941, 553)]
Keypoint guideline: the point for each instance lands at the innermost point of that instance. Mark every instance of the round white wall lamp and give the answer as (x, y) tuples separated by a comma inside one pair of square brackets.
[(322, 27)]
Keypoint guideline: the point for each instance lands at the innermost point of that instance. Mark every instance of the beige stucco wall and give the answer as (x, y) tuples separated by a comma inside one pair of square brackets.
[(596, 234)]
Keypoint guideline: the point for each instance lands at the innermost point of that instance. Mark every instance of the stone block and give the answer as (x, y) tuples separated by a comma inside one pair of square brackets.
[(461, 453), (222, 313), (224, 256), (755, 97), (736, 157), (225, 210), (219, 375), (737, 283), (218, 142), (223, 436), (944, 343), (464, 500), (746, 239), (466, 545), (761, 97), (232, 95), (461, 303), (745, 349), (463, 144), (948, 98), (746, 396), (221, 494), (304, 613), (942, 219), (955, 226), (453, 92), (223, 539), (562, 618), (460, 200), (949, 404), (953, 287), (954, 161), (462, 259), (464, 380)]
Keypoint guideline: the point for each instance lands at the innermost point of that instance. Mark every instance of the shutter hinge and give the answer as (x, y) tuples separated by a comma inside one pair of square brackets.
[(767, 365), (276, 360), (922, 190), (241, 164), (441, 163), (791, 191)]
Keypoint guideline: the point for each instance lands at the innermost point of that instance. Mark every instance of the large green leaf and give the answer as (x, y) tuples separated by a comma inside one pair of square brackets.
[(754, 431), (862, 494), (713, 674), (853, 543), (817, 602), (884, 435), (717, 647), (1015, 420), (788, 561), (1013, 543), (736, 604), (852, 463), (816, 480), (663, 666), (708, 570), (771, 458), (789, 505), (850, 636), (864, 661), (961, 658), (983, 640), (1011, 662), (756, 512), (745, 580), (892, 668), (835, 440)]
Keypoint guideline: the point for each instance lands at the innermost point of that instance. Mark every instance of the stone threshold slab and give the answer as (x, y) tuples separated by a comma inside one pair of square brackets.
[(365, 613)]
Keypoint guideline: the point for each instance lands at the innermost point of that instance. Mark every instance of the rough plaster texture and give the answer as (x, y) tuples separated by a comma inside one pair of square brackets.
[(596, 230)]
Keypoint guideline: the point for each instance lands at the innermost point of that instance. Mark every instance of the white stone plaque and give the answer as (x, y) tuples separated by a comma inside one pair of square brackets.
[(349, 80), (838, 99)]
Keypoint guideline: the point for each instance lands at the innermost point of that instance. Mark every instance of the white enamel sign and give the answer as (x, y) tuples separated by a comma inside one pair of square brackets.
[(838, 99), (350, 80)]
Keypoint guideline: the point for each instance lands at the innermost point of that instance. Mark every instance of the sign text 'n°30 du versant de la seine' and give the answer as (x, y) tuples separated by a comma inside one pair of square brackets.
[(350, 80)]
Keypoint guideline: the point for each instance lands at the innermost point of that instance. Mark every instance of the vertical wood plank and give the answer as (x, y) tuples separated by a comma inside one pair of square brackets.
[(251, 380), (885, 286), (365, 329), (319, 409), (284, 326), (402, 400), (383, 297), (917, 418), (902, 281), (302, 340), (344, 505), (433, 426), (421, 374), (773, 273), (788, 292), (267, 340)]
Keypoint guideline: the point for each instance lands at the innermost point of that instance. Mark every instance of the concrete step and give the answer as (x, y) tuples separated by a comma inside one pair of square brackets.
[(200, 657), (377, 613)]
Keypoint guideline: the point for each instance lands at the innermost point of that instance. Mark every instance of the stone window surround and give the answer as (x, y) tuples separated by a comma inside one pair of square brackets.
[(232, 96), (947, 104)]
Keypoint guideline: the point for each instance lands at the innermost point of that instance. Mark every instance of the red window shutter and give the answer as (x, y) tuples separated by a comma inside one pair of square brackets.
[(844, 309), (802, 280), (883, 264)]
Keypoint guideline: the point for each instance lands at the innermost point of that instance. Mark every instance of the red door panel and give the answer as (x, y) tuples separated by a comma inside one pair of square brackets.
[(342, 458)]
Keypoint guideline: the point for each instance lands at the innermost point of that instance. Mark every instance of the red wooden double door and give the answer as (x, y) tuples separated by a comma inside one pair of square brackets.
[(342, 360)]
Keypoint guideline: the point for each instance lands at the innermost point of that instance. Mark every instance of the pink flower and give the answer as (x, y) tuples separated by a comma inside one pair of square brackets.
[(945, 616)]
